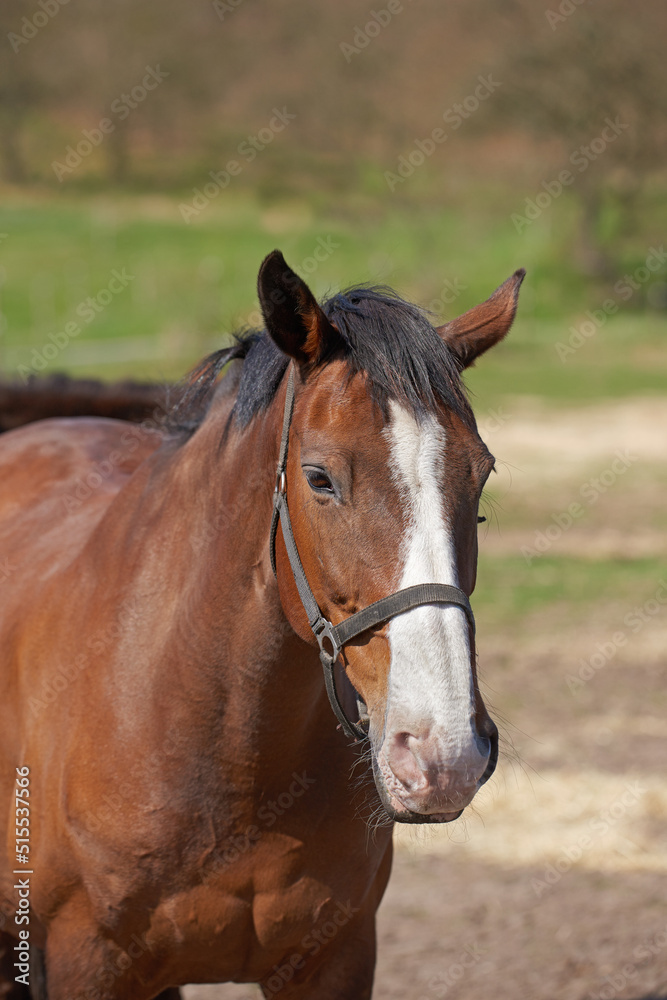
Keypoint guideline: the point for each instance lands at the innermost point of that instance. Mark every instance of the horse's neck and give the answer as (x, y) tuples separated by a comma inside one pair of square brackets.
[(229, 646)]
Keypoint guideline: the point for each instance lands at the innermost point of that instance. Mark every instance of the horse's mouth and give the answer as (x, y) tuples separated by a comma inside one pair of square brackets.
[(400, 813)]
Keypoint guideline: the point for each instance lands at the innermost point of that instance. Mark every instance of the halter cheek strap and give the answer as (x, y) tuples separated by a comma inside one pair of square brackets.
[(335, 636)]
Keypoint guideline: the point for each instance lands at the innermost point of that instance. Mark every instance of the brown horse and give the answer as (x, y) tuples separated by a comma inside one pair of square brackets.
[(182, 804)]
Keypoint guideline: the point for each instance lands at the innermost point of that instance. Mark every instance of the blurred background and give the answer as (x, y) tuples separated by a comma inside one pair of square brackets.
[(153, 152)]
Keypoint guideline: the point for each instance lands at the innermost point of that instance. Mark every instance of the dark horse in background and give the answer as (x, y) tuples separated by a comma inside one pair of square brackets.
[(197, 813)]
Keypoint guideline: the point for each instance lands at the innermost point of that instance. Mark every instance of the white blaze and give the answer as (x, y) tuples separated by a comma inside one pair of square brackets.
[(430, 681)]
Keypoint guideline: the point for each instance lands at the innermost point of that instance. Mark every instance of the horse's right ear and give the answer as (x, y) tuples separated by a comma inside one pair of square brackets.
[(293, 318)]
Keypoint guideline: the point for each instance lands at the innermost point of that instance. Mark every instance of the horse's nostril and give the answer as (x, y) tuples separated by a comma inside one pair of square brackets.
[(488, 728), (490, 738)]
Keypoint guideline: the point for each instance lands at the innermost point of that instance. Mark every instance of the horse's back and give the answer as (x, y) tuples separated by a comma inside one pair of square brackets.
[(57, 478), (58, 464)]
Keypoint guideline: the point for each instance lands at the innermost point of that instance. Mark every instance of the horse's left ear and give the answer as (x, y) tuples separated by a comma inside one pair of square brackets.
[(484, 325), (293, 318)]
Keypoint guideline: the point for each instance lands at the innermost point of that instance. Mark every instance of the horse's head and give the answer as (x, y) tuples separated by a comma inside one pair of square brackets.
[(384, 475)]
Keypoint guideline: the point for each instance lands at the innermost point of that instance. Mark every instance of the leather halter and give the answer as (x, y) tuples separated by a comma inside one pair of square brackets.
[(374, 614)]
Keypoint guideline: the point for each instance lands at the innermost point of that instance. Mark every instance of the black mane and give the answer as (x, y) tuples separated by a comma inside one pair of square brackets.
[(389, 339)]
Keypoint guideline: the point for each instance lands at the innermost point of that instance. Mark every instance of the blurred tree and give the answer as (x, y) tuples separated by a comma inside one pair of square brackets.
[(570, 68), (111, 45), (229, 64), (22, 87), (362, 84)]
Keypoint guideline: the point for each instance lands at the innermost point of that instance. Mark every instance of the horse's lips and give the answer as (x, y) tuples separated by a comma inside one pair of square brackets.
[(403, 815), (400, 813)]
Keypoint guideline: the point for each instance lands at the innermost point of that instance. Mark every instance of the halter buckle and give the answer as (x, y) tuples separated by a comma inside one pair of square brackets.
[(323, 630), (281, 482)]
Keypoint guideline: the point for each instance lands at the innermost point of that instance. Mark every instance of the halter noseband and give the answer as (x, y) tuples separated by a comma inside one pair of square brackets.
[(374, 614)]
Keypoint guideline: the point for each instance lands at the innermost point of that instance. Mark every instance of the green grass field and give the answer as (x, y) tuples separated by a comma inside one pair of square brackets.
[(188, 286), (570, 590), (192, 284)]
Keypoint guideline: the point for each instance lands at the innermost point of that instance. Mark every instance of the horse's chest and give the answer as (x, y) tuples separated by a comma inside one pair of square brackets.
[(240, 928)]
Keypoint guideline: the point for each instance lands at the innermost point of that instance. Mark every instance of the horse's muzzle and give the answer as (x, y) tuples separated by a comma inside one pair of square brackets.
[(421, 780)]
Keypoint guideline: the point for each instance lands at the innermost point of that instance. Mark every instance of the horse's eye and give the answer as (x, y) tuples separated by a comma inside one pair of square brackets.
[(319, 481), (480, 520)]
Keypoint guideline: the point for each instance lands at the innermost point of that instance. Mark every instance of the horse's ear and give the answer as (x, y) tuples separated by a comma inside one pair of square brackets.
[(293, 318), (484, 325)]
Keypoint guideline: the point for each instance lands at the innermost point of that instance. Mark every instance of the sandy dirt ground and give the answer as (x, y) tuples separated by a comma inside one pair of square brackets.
[(553, 886)]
